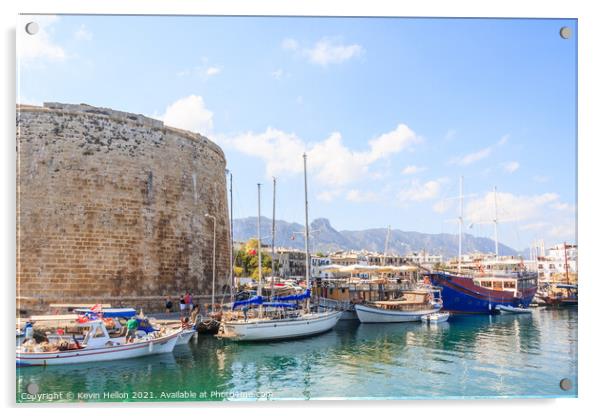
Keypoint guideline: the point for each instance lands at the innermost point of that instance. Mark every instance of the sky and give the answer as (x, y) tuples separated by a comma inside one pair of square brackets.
[(391, 112)]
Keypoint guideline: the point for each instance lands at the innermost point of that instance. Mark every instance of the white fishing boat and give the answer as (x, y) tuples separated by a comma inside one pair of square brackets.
[(411, 307), (278, 320), (185, 336), (506, 309), (96, 346), (435, 318)]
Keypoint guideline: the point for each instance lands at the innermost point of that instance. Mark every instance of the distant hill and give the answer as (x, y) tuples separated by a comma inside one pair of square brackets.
[(325, 238)]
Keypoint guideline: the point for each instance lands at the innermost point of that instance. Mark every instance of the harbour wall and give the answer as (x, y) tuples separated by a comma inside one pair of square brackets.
[(111, 209)]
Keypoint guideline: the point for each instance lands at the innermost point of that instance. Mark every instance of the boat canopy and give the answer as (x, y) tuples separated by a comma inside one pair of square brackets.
[(256, 300), (565, 286), (110, 313), (304, 295)]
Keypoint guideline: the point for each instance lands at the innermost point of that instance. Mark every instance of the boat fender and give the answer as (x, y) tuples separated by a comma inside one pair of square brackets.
[(150, 347)]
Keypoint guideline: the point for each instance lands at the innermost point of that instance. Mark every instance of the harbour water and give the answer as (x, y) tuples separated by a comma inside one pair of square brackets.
[(469, 356)]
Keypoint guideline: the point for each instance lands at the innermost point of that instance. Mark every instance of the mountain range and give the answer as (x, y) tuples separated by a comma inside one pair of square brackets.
[(325, 238)]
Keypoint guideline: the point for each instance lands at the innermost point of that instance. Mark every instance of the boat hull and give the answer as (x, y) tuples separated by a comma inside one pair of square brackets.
[(369, 314), (461, 295), (156, 346), (266, 330), (505, 310), (185, 337), (435, 318)]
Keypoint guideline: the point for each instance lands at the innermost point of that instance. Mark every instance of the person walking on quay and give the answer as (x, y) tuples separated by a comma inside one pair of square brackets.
[(182, 306), (188, 301), (168, 305), (132, 326)]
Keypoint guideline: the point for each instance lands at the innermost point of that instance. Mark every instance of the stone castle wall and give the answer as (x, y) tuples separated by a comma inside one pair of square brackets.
[(111, 207)]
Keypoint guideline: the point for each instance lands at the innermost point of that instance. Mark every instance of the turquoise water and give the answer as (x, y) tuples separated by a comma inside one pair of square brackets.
[(469, 356)]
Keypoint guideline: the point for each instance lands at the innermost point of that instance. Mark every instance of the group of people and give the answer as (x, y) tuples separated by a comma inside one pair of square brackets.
[(188, 310), (186, 304)]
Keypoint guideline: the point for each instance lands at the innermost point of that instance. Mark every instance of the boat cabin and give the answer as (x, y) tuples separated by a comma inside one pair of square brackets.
[(97, 335)]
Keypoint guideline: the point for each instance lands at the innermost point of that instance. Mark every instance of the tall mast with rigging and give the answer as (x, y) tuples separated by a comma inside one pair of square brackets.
[(307, 255), (232, 283), (460, 224), (273, 236), (384, 262), (497, 253), (260, 271)]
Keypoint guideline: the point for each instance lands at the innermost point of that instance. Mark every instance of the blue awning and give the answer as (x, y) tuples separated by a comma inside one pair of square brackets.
[(110, 312), (256, 300)]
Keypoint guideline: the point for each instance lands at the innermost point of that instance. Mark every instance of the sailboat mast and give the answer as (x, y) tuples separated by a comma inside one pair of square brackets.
[(232, 283), (460, 224), (386, 245), (273, 236), (259, 239), (497, 253), (566, 266), (307, 255)]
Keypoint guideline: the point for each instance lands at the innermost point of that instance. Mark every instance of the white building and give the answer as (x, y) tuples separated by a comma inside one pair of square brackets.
[(557, 262)]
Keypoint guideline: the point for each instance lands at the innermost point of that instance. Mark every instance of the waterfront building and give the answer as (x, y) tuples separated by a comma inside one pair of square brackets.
[(558, 262), (424, 259), (292, 263), (348, 258)]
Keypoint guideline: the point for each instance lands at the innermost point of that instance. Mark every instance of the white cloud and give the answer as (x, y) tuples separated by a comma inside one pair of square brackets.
[(280, 151), (472, 157), (204, 70), (511, 167), (510, 207), (563, 207), (534, 225), (325, 52), (328, 51), (355, 195), (189, 113), (443, 205), (328, 195), (420, 191), (40, 47), (83, 33), (564, 231), (212, 70), (412, 170), (333, 163)]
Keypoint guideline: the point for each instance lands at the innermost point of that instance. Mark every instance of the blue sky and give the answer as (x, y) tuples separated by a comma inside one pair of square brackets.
[(390, 111)]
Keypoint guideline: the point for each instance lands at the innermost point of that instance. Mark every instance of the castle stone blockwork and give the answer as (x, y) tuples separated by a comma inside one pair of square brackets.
[(111, 208)]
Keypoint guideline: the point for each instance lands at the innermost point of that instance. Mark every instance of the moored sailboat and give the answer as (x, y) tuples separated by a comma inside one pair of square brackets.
[(278, 320)]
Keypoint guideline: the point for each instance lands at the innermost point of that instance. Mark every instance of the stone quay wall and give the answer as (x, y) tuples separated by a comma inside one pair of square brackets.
[(111, 209)]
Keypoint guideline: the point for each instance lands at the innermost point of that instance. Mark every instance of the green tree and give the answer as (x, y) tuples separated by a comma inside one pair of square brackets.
[(246, 261)]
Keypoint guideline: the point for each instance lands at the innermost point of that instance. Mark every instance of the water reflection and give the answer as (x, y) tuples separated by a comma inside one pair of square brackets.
[(467, 356)]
